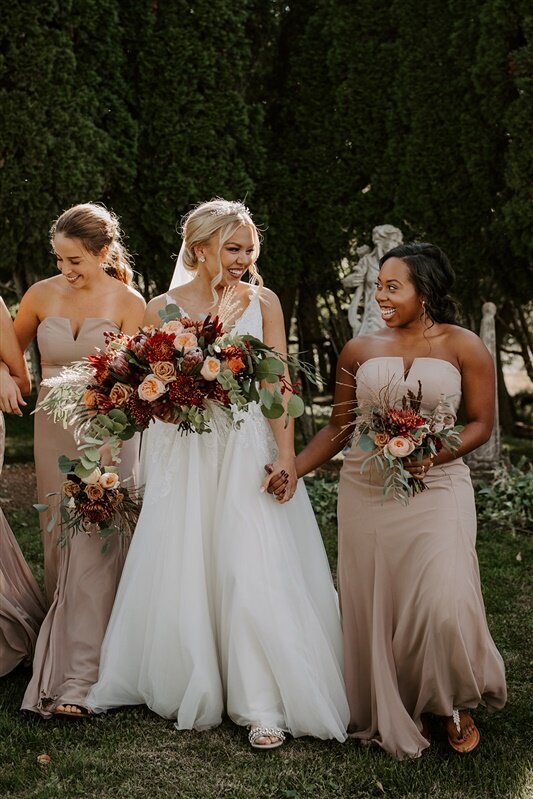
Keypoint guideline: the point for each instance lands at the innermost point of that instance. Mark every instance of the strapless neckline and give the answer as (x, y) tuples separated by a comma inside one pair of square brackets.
[(68, 323), (407, 372)]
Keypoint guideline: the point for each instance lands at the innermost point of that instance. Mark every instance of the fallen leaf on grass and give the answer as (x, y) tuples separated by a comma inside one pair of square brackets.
[(44, 759)]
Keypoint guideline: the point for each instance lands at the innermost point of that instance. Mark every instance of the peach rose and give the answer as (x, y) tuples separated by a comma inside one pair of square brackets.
[(93, 477), (120, 394), (380, 439), (90, 398), (70, 488), (210, 368), (174, 327), (185, 341), (399, 447), (151, 388), (109, 480), (164, 371), (94, 492)]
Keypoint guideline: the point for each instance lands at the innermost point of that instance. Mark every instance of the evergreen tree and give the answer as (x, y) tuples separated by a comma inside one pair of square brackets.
[(197, 133), (66, 133)]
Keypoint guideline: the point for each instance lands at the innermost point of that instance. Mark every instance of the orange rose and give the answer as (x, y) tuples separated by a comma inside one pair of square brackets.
[(94, 492), (90, 398), (235, 364), (164, 370), (70, 489), (120, 394), (380, 439)]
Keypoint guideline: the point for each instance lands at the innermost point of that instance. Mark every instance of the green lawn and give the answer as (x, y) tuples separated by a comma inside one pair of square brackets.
[(134, 753)]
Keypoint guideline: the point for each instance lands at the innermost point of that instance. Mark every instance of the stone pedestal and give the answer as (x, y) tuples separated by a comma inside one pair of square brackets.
[(485, 459)]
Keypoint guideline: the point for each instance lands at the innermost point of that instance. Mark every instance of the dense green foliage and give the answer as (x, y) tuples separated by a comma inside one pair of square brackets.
[(327, 116)]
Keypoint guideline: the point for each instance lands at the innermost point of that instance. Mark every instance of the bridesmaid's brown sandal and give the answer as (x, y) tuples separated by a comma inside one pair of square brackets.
[(81, 713), (463, 745)]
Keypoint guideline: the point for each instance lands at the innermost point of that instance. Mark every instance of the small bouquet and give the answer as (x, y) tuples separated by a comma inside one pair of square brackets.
[(391, 434), (177, 373), (96, 500)]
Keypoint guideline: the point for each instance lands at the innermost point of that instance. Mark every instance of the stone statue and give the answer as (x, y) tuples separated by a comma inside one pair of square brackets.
[(486, 458), (363, 278)]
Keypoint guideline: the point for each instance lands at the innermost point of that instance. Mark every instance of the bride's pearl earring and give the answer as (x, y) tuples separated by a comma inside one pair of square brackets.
[(201, 258)]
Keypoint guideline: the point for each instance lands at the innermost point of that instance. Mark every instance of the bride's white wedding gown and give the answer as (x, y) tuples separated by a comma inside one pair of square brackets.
[(226, 599)]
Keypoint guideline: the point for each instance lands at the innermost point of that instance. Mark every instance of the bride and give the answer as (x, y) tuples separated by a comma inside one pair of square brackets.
[(226, 601)]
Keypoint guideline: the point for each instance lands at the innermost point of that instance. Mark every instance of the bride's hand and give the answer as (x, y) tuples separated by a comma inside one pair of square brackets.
[(281, 480)]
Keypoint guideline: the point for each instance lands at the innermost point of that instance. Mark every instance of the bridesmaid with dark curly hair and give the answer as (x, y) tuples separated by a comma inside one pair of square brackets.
[(416, 639)]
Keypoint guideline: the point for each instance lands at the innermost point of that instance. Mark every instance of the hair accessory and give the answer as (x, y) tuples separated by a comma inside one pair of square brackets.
[(230, 208)]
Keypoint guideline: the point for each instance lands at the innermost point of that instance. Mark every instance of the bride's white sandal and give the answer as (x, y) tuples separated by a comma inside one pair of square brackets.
[(266, 732)]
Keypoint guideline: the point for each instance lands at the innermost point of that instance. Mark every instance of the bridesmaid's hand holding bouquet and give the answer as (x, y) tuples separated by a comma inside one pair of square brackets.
[(403, 441)]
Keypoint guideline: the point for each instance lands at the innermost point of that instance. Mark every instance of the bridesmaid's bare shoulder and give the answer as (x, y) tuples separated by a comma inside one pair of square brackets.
[(356, 351), (467, 347), (43, 292)]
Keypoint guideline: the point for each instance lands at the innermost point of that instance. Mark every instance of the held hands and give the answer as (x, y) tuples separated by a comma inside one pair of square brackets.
[(10, 396), (281, 480)]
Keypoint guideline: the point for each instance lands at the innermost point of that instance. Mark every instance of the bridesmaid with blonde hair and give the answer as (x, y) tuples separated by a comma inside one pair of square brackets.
[(22, 606), (69, 314)]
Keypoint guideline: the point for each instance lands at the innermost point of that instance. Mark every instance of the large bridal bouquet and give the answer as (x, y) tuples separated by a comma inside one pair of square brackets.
[(178, 373), (390, 434)]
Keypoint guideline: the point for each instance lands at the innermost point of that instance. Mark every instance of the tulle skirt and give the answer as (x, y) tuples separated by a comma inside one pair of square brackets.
[(226, 602)]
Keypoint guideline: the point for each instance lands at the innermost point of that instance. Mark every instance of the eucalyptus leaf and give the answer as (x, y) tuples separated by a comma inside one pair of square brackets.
[(268, 368), (41, 507), (52, 523), (272, 413), (118, 416), (65, 464), (266, 397), (295, 406), (253, 393), (365, 443), (81, 472), (104, 421), (170, 312)]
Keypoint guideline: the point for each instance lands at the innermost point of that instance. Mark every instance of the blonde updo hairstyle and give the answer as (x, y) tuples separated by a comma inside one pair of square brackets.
[(220, 218), (96, 227)]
